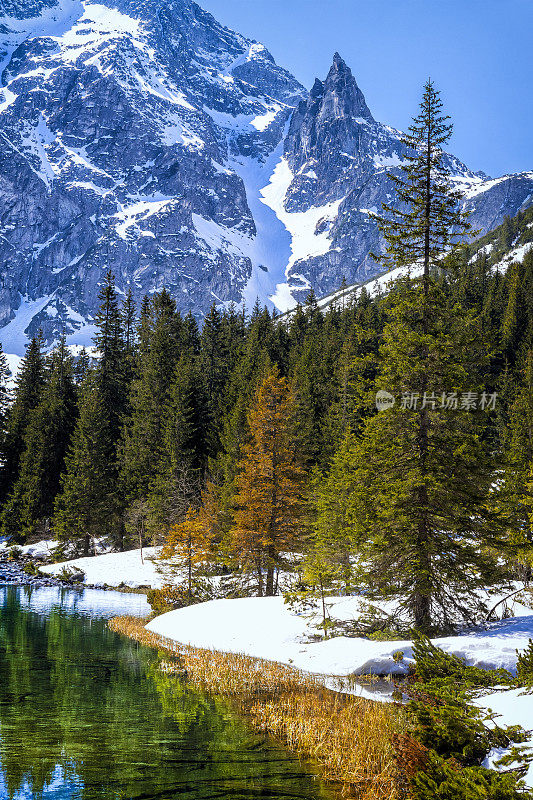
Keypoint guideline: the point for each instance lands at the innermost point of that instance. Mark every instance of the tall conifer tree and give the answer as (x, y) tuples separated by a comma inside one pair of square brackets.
[(114, 360), (5, 374), (86, 507), (143, 446), (421, 477), (514, 497), (30, 505), (270, 483)]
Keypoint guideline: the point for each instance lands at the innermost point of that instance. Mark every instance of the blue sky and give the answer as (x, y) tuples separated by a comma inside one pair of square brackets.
[(478, 52)]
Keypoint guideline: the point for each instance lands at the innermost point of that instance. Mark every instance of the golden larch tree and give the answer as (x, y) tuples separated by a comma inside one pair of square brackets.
[(269, 483), (187, 548)]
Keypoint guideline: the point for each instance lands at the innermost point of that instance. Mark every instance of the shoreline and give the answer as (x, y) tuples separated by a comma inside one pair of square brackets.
[(350, 739), (12, 573)]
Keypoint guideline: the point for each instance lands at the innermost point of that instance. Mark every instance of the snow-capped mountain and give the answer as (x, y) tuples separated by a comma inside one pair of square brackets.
[(146, 138)]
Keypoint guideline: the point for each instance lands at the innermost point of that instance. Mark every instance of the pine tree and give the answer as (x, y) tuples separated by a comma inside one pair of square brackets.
[(130, 338), (113, 367), (187, 425), (418, 490), (513, 497), (81, 366), (267, 521), (142, 447), (28, 388), (510, 321), (185, 447), (30, 504), (215, 359), (427, 220), (334, 521)]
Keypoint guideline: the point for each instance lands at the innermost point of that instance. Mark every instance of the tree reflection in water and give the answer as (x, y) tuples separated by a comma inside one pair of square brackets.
[(85, 714)]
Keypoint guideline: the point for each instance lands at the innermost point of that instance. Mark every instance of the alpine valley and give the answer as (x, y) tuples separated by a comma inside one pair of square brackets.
[(145, 138)]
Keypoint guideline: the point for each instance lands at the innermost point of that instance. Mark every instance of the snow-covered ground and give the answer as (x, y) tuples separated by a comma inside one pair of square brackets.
[(265, 627), (42, 549), (114, 569)]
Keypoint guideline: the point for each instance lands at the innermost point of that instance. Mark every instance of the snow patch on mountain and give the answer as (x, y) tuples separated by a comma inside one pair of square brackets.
[(13, 335), (309, 230)]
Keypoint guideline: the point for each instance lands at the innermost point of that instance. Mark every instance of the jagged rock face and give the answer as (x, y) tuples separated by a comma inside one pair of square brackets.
[(116, 128), (146, 138)]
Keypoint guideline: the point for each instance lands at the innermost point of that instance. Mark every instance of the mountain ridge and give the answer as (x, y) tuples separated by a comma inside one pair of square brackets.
[(153, 141)]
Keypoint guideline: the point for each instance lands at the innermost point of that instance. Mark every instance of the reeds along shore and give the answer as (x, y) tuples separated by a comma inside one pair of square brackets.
[(351, 740)]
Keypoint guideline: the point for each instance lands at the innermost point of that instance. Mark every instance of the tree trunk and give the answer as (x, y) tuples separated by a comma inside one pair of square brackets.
[(259, 579), (269, 584), (421, 596)]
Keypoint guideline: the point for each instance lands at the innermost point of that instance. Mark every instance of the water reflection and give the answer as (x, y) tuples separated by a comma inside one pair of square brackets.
[(95, 603), (86, 715)]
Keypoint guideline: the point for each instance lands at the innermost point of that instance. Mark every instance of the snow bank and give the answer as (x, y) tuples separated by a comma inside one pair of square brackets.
[(512, 707), (115, 569), (42, 549), (264, 627)]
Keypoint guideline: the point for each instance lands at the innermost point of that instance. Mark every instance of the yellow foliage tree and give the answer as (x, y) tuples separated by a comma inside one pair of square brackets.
[(187, 547), (269, 484)]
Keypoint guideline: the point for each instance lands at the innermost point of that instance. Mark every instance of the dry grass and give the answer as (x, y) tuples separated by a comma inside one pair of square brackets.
[(351, 740)]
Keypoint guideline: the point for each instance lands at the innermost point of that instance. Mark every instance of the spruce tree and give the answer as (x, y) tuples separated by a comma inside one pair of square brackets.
[(215, 359), (86, 507), (419, 501), (143, 447), (179, 476), (113, 369), (421, 476), (129, 322), (513, 498), (5, 374), (28, 388), (110, 379), (187, 425), (427, 220), (81, 366), (28, 508), (311, 392)]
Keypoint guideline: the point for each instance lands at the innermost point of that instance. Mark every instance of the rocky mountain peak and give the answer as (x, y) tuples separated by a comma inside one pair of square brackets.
[(329, 120), (342, 95)]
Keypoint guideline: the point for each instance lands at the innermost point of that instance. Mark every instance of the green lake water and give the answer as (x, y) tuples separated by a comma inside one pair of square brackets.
[(86, 714)]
